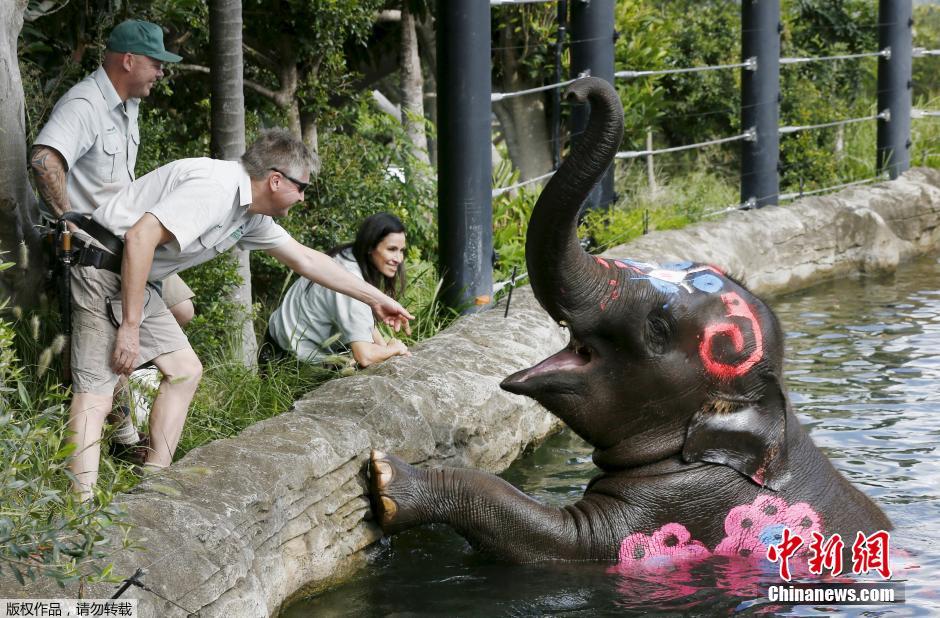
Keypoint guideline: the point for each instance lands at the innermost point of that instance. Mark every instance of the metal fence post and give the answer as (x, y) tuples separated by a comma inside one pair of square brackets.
[(592, 48), (760, 101), (465, 209), (562, 17), (895, 19)]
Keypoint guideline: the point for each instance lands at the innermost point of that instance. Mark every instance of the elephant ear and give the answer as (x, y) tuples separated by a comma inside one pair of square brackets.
[(747, 437)]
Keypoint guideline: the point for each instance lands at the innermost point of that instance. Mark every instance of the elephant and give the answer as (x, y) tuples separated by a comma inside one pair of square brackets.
[(673, 374)]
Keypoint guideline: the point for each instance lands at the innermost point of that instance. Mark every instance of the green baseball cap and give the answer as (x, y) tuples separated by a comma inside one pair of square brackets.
[(140, 37)]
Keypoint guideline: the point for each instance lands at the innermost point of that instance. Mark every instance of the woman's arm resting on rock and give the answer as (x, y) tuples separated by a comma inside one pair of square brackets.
[(368, 353)]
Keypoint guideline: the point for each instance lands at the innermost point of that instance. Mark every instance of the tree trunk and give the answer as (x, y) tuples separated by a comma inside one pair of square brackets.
[(18, 240), (412, 90), (523, 119), (309, 133), (228, 134), (428, 49)]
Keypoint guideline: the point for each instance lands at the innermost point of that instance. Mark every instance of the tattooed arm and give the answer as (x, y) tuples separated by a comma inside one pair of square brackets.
[(50, 173)]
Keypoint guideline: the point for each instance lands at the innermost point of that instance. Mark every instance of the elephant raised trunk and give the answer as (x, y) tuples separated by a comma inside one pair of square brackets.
[(563, 276)]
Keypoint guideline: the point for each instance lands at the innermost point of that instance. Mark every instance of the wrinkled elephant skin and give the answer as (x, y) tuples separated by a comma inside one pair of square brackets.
[(674, 375)]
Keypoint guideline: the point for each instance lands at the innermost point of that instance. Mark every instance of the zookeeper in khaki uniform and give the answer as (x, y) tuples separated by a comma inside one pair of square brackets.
[(178, 216), (87, 152)]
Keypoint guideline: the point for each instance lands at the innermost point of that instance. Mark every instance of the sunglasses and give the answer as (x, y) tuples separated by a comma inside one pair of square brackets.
[(301, 186)]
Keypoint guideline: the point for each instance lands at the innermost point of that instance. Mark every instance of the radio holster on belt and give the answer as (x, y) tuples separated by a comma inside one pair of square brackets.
[(87, 254), (63, 251)]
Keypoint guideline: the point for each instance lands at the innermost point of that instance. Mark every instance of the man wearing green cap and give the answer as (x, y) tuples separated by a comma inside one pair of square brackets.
[(87, 150)]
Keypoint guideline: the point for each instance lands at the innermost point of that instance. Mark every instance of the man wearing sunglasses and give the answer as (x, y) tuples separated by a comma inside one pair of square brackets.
[(178, 216)]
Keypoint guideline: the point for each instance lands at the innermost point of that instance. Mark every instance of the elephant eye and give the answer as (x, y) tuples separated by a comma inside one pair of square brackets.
[(659, 330)]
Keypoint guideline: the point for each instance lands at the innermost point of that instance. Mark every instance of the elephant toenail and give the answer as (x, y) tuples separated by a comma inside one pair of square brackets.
[(389, 506), (383, 472)]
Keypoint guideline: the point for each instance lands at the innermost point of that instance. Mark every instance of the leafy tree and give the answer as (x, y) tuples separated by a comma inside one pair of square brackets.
[(643, 44), (705, 105), (825, 91), (523, 42), (927, 35), (228, 136)]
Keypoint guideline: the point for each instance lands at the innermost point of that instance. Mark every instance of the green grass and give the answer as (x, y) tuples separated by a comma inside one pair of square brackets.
[(44, 531)]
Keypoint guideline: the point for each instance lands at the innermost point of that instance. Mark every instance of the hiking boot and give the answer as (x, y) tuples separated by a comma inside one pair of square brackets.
[(134, 454)]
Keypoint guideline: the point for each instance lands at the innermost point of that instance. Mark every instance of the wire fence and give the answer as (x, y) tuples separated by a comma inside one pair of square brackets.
[(499, 96), (501, 190), (749, 135), (837, 123), (750, 64), (885, 53), (496, 3)]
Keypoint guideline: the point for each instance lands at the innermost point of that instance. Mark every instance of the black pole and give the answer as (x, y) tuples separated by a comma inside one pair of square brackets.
[(760, 101), (592, 49), (895, 20), (556, 94), (465, 210)]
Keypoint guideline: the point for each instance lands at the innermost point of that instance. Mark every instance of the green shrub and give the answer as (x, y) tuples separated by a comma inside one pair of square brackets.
[(44, 531), (676, 203)]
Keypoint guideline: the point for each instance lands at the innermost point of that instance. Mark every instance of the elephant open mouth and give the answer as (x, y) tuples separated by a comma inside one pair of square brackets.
[(573, 358)]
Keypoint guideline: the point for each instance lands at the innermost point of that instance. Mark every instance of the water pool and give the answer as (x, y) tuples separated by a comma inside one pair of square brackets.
[(863, 369)]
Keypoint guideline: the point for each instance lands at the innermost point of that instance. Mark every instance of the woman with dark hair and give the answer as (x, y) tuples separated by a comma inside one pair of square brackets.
[(314, 322)]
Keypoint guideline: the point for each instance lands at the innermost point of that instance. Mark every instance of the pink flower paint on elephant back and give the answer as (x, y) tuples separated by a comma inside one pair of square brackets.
[(749, 530), (671, 544)]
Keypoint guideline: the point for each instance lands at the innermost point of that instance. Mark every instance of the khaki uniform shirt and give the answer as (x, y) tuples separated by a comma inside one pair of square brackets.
[(203, 202), (97, 135)]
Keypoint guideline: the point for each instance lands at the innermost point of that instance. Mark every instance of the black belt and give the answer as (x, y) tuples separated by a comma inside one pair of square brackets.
[(90, 255)]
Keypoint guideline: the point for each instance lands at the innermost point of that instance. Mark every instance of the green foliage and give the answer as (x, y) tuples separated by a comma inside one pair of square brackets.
[(644, 42), (676, 203), (925, 135), (312, 35), (44, 531), (525, 35), (701, 106), (820, 92), (511, 213), (217, 318), (422, 298), (926, 35)]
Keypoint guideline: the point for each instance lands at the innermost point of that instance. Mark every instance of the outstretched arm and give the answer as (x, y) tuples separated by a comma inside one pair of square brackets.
[(320, 268)]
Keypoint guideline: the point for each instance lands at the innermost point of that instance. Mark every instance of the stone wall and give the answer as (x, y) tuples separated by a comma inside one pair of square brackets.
[(241, 526), (773, 250)]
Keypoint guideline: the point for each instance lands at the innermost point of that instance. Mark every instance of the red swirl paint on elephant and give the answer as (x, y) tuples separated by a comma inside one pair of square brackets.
[(737, 308)]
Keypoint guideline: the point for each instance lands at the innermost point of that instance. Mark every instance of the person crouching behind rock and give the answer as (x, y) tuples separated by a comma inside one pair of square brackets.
[(314, 322)]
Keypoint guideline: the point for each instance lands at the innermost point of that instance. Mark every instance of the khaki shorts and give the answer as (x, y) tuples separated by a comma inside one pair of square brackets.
[(175, 291), (93, 333)]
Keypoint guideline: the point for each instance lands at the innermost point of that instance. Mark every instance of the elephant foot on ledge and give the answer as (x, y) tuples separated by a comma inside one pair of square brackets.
[(397, 488)]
